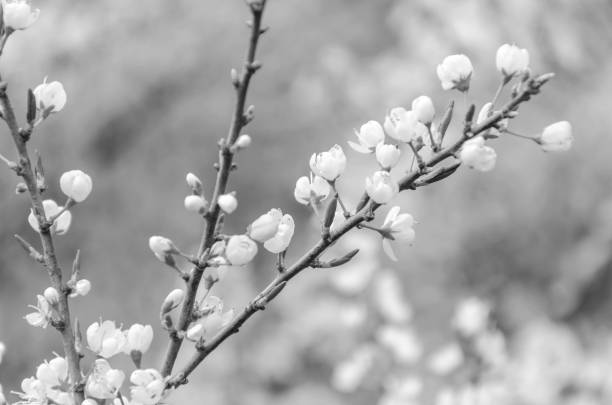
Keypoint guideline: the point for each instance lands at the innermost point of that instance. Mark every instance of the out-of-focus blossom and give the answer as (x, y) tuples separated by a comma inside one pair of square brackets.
[(76, 185), (240, 250), (381, 187), (105, 339), (402, 390), (396, 228), (387, 155), (60, 225), (265, 226), (401, 342), (471, 316), (476, 155), (18, 14), (349, 375), (43, 315), (330, 164), (243, 141), (424, 109), (491, 347), (446, 359), (556, 137), (148, 386), (389, 298), (51, 295), (281, 240), (228, 203), (311, 190), (369, 136), (195, 203), (512, 60), (50, 96), (455, 72), (139, 338), (403, 125), (352, 315), (104, 382)]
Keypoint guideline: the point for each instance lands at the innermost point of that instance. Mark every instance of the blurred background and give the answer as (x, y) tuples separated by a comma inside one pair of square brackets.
[(148, 97)]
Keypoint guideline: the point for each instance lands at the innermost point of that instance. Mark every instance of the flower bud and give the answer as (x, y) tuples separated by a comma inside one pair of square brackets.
[(381, 187), (228, 203), (511, 60), (194, 183), (556, 137), (195, 203), (82, 287), (282, 238), (61, 224), (310, 190), (173, 300), (18, 14), (484, 113), (139, 338), (243, 141), (265, 227), (76, 185), (387, 155), (370, 134), (195, 332), (476, 155), (329, 165), (50, 96), (455, 72), (240, 250), (161, 246), (424, 109), (51, 295)]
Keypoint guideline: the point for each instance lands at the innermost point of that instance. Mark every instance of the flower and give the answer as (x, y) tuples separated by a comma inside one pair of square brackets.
[(105, 339), (195, 203), (313, 190), (556, 137), (329, 165), (228, 203), (172, 300), (370, 134), (282, 238), (194, 183), (424, 109), (381, 187), (139, 338), (404, 125), (53, 373), (213, 319), (76, 185), (18, 14), (265, 227), (471, 316), (240, 250), (455, 72), (396, 227), (104, 382), (60, 225), (243, 141), (50, 97), (387, 155), (511, 60), (51, 295), (42, 317), (149, 386), (477, 156), (163, 248), (82, 288), (34, 391)]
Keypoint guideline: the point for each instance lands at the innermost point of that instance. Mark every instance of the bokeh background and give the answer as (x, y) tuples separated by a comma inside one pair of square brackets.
[(149, 95)]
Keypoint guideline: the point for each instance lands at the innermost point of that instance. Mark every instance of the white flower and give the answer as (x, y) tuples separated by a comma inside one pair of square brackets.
[(50, 96), (424, 109), (82, 288), (266, 226), (195, 203), (42, 317), (369, 136), (329, 165), (455, 72), (51, 295), (148, 386), (105, 339), (402, 390), (557, 137), (213, 320), (240, 250), (76, 185), (282, 238), (173, 300), (381, 187), (313, 190), (243, 141), (471, 316), (228, 203), (18, 14), (402, 342), (511, 60), (104, 382), (61, 224), (139, 338), (404, 125), (446, 359), (476, 155), (53, 373), (162, 247), (397, 228), (34, 391), (387, 155)]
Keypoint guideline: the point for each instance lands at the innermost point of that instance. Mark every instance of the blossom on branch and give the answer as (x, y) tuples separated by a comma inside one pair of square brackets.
[(50, 97), (148, 386), (556, 137), (105, 339), (476, 155), (228, 203), (282, 238), (381, 187), (403, 125), (18, 14), (387, 155), (330, 164), (104, 382), (60, 225), (424, 109), (396, 228), (369, 136), (76, 185), (511, 60), (265, 227), (311, 190), (240, 250), (455, 72)]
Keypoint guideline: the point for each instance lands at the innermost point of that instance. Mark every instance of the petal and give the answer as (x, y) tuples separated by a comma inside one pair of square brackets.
[(359, 147), (386, 244)]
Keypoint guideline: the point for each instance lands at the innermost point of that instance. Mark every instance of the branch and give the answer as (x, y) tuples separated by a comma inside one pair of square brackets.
[(226, 157)]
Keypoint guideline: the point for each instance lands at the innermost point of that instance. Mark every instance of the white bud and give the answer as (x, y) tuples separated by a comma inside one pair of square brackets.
[(282, 238), (455, 72), (50, 96), (265, 227), (484, 113), (370, 134), (195, 332), (173, 300), (240, 250), (387, 155), (82, 287), (512, 60), (139, 338), (51, 295), (195, 203), (557, 137), (161, 246), (18, 14), (228, 203), (330, 164), (424, 109), (76, 185), (381, 187), (476, 155), (194, 183), (243, 141)]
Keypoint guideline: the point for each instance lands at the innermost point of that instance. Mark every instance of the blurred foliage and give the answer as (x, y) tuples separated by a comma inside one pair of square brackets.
[(149, 95)]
